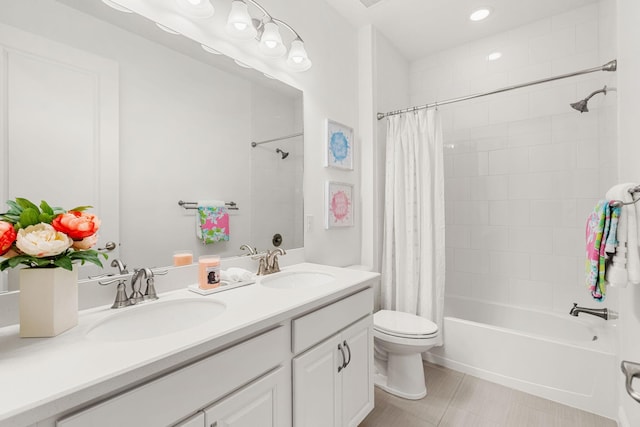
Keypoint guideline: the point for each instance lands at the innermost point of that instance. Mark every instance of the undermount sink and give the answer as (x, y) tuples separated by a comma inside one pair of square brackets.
[(155, 319), (296, 280)]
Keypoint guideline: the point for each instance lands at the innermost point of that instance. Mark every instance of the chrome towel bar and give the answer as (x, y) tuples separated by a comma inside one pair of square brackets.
[(194, 205)]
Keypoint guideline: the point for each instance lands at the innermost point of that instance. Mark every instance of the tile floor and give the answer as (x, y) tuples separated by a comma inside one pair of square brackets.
[(459, 400)]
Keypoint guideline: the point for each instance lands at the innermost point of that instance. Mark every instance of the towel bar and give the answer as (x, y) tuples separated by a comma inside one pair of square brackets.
[(194, 205), (632, 191)]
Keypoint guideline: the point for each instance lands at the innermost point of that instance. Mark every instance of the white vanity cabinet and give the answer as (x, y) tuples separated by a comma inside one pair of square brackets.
[(175, 396), (333, 379)]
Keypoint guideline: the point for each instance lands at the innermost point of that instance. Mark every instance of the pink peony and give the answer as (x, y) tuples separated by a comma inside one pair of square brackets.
[(76, 225), (7, 236), (86, 243)]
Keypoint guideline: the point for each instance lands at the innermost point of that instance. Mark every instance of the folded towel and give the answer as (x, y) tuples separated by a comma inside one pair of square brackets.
[(235, 274), (596, 236), (625, 265), (212, 221)]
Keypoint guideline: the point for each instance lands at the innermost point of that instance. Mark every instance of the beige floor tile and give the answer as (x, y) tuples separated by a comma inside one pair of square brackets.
[(460, 418), (442, 384), (490, 401), (387, 415)]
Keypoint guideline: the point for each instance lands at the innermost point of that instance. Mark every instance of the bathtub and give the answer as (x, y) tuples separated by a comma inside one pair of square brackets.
[(558, 357)]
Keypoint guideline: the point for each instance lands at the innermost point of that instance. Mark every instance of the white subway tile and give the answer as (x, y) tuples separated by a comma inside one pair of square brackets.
[(555, 268), (553, 157), (459, 283), (586, 36), (509, 108), (587, 154), (458, 236), (518, 160), (498, 212), (491, 288), (465, 165), (552, 99), (498, 162), (519, 212), (575, 16), (457, 188), (544, 213), (471, 213), (489, 238), (531, 239), (471, 260), (469, 115), (530, 293), (538, 125), (510, 264), (573, 126), (569, 241), (585, 184)]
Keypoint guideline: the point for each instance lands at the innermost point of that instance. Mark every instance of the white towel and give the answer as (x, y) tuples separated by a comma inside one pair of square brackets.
[(625, 266), (235, 274), (202, 203)]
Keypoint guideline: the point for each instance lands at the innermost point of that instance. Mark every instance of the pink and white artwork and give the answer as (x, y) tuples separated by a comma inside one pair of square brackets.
[(339, 211)]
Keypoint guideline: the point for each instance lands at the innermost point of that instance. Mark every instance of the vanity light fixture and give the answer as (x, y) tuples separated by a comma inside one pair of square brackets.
[(242, 64), (200, 9), (116, 6), (266, 30), (493, 56), (480, 14)]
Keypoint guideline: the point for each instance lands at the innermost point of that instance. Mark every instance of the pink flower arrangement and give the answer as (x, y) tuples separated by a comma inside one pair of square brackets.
[(47, 237)]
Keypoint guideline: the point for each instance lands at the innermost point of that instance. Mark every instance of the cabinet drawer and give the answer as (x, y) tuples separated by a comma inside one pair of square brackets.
[(326, 321), (168, 399)]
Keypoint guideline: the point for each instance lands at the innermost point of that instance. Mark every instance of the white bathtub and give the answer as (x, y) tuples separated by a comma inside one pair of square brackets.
[(559, 357)]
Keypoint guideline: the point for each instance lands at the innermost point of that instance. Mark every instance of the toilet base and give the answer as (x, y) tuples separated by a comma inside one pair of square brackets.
[(404, 376), (381, 382)]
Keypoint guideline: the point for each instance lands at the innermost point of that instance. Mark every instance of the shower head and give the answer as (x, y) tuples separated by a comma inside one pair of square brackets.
[(284, 154), (582, 104)]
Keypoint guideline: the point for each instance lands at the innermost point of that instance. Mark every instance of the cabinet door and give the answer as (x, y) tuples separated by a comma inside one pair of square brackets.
[(195, 421), (357, 376), (316, 385), (263, 403)]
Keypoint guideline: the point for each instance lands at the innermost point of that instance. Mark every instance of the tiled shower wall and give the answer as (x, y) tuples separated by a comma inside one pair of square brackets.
[(523, 169)]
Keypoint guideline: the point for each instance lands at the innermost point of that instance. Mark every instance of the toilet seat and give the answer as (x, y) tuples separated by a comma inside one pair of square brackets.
[(403, 325)]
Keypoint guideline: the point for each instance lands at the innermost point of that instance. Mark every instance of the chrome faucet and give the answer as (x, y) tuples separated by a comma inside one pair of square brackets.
[(150, 294), (272, 260), (599, 312), (249, 249), (120, 265), (268, 261)]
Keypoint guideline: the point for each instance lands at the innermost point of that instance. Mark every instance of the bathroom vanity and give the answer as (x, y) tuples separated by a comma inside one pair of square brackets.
[(293, 349)]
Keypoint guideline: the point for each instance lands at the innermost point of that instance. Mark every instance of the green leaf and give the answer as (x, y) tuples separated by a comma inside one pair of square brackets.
[(64, 262), (46, 208), (25, 204), (29, 216), (45, 217), (88, 256), (81, 208)]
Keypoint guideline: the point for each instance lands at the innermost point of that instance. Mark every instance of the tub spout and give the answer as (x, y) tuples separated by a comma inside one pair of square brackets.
[(599, 312)]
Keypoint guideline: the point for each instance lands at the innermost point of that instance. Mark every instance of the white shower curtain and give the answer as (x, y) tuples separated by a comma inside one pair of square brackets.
[(413, 258)]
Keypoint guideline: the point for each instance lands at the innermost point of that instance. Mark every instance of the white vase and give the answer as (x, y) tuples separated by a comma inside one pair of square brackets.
[(48, 301)]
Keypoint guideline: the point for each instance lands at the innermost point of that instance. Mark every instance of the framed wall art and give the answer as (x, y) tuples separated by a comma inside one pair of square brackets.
[(339, 149), (339, 209)]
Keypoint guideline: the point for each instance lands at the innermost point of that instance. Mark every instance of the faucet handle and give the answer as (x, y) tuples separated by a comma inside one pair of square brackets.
[(150, 294), (121, 296)]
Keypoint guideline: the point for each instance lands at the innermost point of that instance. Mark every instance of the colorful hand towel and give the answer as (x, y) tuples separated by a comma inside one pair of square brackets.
[(213, 224), (601, 240)]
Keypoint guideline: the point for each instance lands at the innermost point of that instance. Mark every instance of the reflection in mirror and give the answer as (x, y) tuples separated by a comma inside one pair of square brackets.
[(182, 120)]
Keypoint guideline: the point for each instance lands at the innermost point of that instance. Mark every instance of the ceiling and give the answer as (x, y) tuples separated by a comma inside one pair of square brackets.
[(418, 28)]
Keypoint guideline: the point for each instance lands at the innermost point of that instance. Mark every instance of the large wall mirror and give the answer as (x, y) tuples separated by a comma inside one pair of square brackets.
[(103, 108)]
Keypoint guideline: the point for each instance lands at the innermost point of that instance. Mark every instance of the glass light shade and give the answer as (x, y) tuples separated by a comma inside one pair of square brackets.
[(196, 8), (239, 22), (298, 59), (116, 6), (271, 41), (494, 56)]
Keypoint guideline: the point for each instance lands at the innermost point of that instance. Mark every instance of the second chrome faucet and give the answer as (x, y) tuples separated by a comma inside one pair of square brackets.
[(268, 261)]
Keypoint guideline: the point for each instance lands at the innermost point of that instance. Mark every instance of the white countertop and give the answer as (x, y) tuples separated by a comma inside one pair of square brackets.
[(41, 377)]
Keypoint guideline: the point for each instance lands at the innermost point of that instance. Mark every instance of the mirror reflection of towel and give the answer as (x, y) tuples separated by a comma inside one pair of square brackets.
[(212, 222)]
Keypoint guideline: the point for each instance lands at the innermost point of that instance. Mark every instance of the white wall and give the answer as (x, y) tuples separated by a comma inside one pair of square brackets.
[(523, 170)]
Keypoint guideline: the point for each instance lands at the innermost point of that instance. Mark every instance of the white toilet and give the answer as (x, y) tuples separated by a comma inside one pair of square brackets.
[(399, 340)]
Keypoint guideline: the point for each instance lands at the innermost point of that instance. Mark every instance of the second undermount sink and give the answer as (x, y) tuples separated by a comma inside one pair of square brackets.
[(155, 319), (296, 279)]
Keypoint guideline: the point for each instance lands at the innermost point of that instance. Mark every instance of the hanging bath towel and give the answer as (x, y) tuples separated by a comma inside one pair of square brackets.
[(212, 222), (600, 230)]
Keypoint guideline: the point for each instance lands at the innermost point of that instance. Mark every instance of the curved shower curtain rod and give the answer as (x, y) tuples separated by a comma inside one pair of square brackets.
[(609, 66)]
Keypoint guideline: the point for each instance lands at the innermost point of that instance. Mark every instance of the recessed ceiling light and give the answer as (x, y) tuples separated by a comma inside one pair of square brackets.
[(480, 14), (494, 55)]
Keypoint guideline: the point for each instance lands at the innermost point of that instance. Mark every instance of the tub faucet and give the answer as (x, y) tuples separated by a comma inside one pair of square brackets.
[(599, 312)]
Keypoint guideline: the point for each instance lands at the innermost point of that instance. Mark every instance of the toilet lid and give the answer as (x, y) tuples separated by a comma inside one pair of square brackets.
[(403, 324)]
